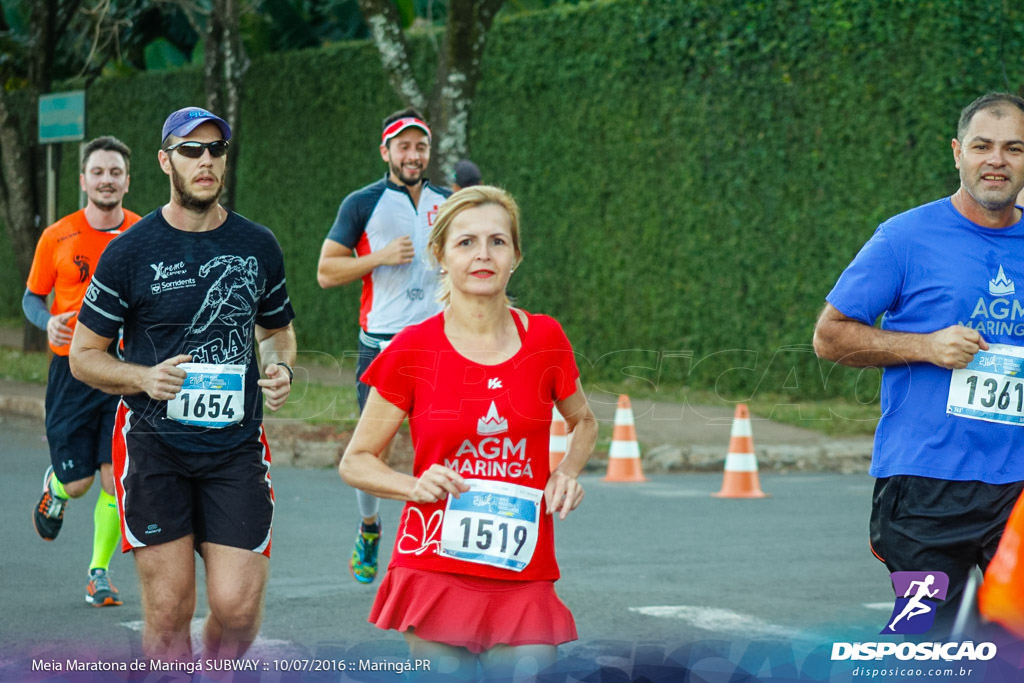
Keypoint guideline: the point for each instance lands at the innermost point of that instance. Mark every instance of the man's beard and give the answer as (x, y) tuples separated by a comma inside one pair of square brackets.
[(189, 201), (107, 205), (397, 171)]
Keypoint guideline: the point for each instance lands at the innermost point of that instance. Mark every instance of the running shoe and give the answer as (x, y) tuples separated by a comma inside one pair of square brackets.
[(48, 517), (363, 563), (99, 592)]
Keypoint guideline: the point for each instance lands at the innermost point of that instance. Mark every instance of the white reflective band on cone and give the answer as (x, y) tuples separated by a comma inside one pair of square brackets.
[(741, 428), (624, 449), (741, 462)]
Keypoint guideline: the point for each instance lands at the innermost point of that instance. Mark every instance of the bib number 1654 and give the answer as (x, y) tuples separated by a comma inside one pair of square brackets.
[(210, 406), (212, 396)]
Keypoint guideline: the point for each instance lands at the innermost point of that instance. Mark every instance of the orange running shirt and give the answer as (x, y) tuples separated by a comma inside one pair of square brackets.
[(65, 260)]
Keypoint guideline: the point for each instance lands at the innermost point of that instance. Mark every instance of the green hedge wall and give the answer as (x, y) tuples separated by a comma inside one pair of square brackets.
[(693, 176)]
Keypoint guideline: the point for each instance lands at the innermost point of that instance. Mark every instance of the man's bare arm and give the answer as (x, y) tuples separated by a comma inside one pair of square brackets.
[(850, 342), (337, 266), (276, 346), (92, 364)]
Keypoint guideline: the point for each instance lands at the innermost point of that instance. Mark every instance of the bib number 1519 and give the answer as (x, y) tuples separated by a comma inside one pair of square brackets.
[(495, 523), (489, 533)]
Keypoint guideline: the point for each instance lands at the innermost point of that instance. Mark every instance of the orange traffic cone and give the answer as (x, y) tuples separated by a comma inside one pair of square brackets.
[(558, 442), (741, 479), (1001, 597), (624, 454)]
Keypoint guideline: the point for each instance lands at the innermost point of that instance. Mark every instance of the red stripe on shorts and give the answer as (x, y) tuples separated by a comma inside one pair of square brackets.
[(119, 456)]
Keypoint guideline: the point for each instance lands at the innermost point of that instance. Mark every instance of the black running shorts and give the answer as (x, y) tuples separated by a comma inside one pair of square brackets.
[(367, 353), (79, 422), (164, 494), (923, 524)]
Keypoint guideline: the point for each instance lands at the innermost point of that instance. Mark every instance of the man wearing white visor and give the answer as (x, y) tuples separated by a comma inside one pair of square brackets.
[(380, 236)]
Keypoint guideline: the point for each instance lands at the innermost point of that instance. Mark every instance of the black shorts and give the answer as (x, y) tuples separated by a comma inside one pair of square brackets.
[(923, 524), (164, 494), (369, 348), (79, 423)]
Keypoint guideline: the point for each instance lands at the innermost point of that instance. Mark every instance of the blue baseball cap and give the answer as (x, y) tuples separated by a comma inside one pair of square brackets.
[(184, 121)]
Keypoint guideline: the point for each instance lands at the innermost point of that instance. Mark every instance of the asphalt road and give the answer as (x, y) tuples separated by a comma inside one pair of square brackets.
[(657, 574)]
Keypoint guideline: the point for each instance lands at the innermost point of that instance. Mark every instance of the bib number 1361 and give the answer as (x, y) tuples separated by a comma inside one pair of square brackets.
[(1011, 393), (991, 387)]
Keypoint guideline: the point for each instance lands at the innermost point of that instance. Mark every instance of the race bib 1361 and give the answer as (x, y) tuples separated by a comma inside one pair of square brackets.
[(991, 387)]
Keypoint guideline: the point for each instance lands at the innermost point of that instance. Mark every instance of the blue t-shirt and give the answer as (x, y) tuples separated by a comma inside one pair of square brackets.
[(200, 293), (394, 297), (925, 270)]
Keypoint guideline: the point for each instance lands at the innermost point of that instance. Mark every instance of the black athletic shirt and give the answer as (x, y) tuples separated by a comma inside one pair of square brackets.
[(197, 293)]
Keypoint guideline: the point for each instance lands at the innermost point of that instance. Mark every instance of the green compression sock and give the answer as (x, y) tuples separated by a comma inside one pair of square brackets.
[(107, 531), (57, 488)]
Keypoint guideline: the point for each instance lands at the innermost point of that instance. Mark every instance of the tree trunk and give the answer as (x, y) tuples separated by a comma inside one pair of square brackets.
[(18, 196), (224, 74), (455, 80), (22, 170), (381, 16)]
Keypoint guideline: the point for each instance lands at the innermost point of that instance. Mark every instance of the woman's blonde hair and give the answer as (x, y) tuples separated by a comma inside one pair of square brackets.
[(470, 198)]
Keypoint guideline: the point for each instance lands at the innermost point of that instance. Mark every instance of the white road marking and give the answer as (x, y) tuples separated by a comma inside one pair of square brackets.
[(679, 493), (261, 647), (719, 620), (880, 606)]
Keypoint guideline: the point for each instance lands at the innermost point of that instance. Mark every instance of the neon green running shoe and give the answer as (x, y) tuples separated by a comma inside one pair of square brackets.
[(363, 563)]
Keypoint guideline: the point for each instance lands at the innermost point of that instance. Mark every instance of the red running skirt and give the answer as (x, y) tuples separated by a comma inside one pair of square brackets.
[(471, 612)]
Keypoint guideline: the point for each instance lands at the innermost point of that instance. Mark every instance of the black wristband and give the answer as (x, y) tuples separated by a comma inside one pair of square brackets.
[(291, 373)]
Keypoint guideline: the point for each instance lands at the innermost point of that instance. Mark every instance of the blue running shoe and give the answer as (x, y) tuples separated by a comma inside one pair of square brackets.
[(363, 563)]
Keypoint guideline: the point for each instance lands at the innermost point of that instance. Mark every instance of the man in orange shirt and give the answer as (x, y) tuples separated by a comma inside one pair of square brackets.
[(79, 419)]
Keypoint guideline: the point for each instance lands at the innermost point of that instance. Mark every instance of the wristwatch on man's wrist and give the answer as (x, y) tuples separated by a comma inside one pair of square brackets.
[(291, 373)]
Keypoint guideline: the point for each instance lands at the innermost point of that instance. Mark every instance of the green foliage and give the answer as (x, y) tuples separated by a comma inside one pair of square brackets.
[(693, 176), (406, 12), (162, 55), (24, 367)]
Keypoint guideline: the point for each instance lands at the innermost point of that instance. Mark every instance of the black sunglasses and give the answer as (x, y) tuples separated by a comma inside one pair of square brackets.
[(194, 150)]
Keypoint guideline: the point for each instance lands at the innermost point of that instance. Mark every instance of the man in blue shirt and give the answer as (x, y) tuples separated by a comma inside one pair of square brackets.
[(949, 448)]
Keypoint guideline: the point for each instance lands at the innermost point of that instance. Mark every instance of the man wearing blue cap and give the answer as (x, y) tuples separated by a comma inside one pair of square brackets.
[(197, 289), (380, 237)]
